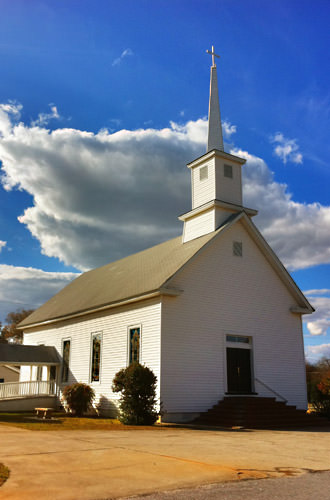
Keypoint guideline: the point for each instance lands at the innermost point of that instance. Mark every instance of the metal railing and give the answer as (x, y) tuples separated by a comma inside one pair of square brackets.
[(12, 390), (271, 390)]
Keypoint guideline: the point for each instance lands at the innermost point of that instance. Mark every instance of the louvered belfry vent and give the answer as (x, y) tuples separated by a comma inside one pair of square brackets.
[(228, 171), (203, 173), (237, 248)]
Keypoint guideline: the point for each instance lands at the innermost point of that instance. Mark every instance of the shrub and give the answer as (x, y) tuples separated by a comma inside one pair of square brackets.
[(318, 386), (137, 385), (324, 400), (79, 398)]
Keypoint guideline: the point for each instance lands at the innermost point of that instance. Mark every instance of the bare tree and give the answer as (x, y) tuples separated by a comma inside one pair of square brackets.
[(9, 331)]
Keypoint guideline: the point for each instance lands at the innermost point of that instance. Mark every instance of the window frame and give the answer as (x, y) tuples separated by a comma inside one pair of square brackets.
[(129, 328), (99, 332), (66, 339)]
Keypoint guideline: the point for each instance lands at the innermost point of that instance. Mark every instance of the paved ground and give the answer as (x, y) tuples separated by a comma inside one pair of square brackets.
[(95, 465), (304, 487)]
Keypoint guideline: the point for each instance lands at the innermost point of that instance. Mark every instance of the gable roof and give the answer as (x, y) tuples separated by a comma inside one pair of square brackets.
[(135, 276), (145, 274), (18, 354)]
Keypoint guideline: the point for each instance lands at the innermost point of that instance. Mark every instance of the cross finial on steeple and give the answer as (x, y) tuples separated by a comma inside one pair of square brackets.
[(213, 54), (214, 140)]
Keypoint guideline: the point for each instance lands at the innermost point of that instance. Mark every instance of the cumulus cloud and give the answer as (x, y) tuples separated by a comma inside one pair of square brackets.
[(299, 233), (9, 113), (2, 244), (125, 53), (228, 129), (318, 323), (99, 197), (315, 352), (44, 118), (286, 149), (28, 288)]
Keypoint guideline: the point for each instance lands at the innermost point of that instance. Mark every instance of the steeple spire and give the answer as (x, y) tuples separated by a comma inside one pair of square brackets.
[(214, 140)]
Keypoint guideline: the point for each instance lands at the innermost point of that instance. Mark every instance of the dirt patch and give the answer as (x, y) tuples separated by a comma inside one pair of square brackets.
[(4, 474)]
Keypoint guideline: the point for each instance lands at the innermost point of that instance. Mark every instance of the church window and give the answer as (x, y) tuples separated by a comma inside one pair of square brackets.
[(203, 173), (96, 356), (66, 360), (237, 248), (228, 171), (236, 338), (134, 345)]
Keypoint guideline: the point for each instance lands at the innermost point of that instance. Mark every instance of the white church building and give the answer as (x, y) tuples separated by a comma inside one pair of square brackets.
[(213, 312)]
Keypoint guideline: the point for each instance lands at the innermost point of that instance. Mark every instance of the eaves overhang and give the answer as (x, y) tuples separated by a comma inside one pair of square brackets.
[(304, 306), (232, 207), (145, 296), (18, 354), (216, 153)]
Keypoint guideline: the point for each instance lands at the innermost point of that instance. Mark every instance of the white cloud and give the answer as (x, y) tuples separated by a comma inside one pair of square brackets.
[(9, 113), (99, 197), (299, 233), (317, 291), (125, 53), (44, 118), (318, 323), (286, 149), (315, 352), (228, 129), (28, 288), (2, 244)]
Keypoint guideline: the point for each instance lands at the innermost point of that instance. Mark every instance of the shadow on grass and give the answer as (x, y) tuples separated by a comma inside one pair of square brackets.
[(25, 417)]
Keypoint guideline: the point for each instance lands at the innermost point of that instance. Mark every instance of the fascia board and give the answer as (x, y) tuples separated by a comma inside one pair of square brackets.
[(276, 264), (301, 310), (211, 154), (163, 290), (218, 204)]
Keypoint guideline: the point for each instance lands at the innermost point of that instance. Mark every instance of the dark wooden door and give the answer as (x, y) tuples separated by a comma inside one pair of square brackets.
[(239, 370)]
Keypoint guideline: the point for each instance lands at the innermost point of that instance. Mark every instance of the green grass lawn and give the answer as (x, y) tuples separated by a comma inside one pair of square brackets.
[(62, 421)]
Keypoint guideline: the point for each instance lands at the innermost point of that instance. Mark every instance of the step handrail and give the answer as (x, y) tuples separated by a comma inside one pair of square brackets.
[(271, 390)]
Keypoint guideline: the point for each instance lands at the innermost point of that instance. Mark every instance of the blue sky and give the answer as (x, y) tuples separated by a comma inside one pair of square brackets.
[(75, 75)]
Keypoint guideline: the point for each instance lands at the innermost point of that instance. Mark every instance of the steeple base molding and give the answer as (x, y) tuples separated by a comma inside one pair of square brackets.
[(209, 217)]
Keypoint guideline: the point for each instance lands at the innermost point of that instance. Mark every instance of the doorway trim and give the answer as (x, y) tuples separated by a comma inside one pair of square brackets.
[(239, 341)]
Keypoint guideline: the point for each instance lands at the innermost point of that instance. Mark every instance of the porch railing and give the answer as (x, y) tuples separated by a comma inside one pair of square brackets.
[(12, 390), (277, 394)]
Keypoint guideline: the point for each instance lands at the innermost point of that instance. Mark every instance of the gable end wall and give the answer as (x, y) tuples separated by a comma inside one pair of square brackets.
[(224, 294)]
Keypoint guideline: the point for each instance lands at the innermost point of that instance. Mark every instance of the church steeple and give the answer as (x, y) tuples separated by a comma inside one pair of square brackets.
[(214, 139), (216, 179)]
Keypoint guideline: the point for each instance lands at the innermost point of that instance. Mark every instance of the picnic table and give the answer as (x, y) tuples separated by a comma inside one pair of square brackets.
[(44, 412)]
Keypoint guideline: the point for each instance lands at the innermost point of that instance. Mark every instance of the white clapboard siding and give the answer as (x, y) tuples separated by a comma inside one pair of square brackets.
[(228, 189), (114, 326), (203, 190), (199, 225), (224, 294)]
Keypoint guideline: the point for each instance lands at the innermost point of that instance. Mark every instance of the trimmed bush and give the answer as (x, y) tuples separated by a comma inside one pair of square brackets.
[(324, 388), (79, 398), (137, 385)]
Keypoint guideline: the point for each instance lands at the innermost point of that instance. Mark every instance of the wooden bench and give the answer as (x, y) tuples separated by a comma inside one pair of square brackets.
[(44, 412)]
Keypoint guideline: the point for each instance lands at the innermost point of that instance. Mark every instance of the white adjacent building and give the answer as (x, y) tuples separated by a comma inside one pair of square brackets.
[(212, 312)]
